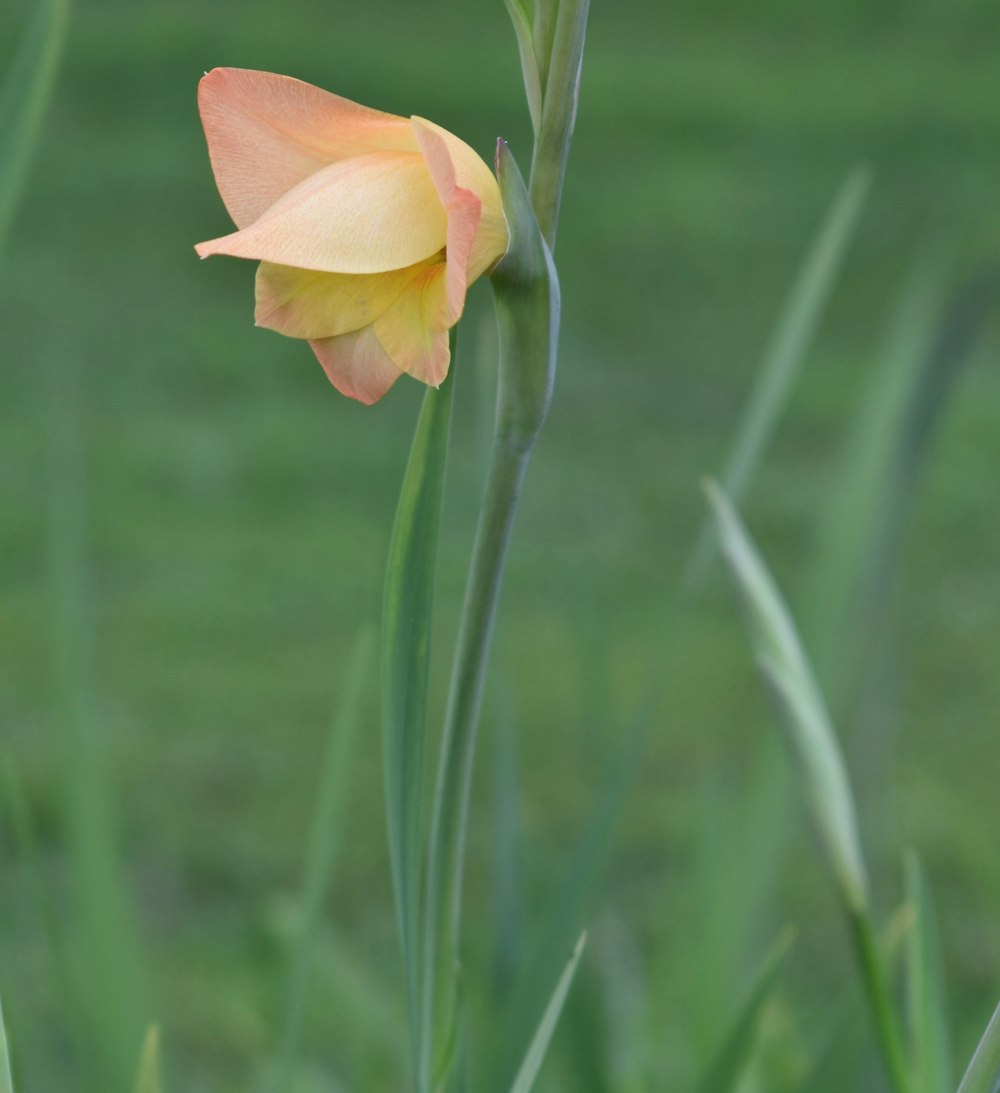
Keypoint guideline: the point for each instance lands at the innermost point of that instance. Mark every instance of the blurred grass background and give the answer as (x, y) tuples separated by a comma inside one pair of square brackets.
[(236, 510)]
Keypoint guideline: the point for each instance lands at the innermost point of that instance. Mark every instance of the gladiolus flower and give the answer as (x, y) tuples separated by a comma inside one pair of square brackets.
[(369, 227)]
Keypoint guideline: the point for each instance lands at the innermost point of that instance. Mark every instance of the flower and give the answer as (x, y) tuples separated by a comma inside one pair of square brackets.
[(369, 227)]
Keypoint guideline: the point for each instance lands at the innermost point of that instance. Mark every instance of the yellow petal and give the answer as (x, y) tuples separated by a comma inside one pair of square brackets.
[(368, 214), (357, 365), (414, 331), (267, 133), (305, 304)]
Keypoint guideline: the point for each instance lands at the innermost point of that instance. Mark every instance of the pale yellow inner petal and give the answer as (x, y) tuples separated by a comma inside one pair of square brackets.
[(368, 214)]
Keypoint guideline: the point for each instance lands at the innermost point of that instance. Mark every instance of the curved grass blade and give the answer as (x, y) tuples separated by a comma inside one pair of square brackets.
[(818, 763), (983, 1074), (148, 1079), (785, 353), (735, 1054), (25, 98), (926, 1008), (525, 1080), (406, 638), (321, 854)]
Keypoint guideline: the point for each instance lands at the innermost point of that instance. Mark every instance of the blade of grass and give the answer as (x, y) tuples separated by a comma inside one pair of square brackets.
[(104, 945), (926, 1004), (736, 1052), (983, 1073), (525, 1080), (785, 354), (148, 1079), (406, 638), (818, 764), (6, 1081), (321, 854), (25, 98), (862, 508)]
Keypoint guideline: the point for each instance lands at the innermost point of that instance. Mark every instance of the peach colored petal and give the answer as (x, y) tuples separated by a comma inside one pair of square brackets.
[(363, 215), (302, 303), (463, 208), (267, 133), (469, 172), (357, 365), (414, 331)]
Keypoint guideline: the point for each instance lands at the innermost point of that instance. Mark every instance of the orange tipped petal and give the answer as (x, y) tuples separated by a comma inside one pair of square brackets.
[(357, 365), (363, 215), (302, 303), (267, 133), (414, 331), (453, 163)]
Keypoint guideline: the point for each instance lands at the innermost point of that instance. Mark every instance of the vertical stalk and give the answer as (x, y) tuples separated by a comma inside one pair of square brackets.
[(880, 1001), (444, 880), (560, 96)]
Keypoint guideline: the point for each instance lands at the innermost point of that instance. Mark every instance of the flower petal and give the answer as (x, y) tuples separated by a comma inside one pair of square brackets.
[(414, 331), (267, 133), (453, 163), (302, 303), (357, 365), (368, 214), (463, 208)]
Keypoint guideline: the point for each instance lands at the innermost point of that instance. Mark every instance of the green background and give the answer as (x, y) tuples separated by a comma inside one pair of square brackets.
[(236, 510)]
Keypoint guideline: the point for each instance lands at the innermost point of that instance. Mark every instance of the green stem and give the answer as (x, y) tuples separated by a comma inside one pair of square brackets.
[(561, 92), (880, 1000), (451, 801)]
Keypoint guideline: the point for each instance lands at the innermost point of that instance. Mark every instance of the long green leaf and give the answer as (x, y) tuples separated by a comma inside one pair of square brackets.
[(321, 853), (104, 939), (406, 639), (785, 353), (736, 1051), (525, 1080), (148, 1079), (926, 1004), (6, 1081), (983, 1074), (863, 509), (26, 93)]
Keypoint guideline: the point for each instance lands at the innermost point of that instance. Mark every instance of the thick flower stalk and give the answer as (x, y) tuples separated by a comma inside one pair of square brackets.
[(369, 227)]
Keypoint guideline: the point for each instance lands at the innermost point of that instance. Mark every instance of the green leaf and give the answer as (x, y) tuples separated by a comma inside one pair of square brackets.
[(525, 1080), (529, 62), (736, 1052), (984, 1069), (321, 854), (148, 1080), (25, 98), (785, 353), (925, 996), (406, 639), (6, 1081)]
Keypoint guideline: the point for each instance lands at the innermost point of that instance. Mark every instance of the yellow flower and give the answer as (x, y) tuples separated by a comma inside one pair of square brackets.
[(369, 227)]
